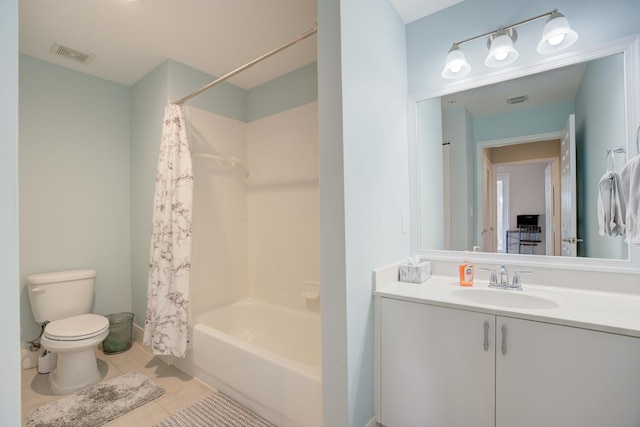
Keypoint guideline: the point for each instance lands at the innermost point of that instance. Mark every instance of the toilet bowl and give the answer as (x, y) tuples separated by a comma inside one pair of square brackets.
[(62, 301), (74, 340)]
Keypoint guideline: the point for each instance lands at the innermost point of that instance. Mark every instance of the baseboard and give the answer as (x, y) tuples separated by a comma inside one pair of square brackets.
[(138, 334), (372, 423)]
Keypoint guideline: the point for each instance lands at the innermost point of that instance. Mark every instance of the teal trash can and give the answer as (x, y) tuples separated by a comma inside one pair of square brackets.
[(120, 335)]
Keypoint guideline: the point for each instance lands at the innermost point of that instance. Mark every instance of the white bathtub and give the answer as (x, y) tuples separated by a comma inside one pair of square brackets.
[(265, 357)]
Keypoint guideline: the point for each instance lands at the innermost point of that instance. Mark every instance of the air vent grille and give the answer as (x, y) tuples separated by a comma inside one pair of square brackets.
[(517, 99), (72, 54)]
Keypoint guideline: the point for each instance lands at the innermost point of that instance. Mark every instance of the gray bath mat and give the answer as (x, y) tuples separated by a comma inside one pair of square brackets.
[(98, 404), (216, 410)]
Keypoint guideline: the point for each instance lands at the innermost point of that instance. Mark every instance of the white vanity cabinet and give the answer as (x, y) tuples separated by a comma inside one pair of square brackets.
[(436, 368), (554, 375)]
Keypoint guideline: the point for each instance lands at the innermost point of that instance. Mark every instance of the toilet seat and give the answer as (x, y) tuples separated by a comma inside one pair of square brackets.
[(76, 328)]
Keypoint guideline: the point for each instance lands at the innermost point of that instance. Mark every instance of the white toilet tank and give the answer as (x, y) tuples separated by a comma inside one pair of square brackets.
[(61, 294)]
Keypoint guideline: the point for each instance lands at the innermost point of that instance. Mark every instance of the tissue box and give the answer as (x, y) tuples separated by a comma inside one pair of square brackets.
[(415, 273)]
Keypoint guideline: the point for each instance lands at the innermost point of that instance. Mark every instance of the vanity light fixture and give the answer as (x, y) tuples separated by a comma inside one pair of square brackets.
[(501, 50), (556, 36), (457, 65)]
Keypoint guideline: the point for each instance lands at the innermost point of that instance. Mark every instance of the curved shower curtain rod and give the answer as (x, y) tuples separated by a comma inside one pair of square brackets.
[(247, 65)]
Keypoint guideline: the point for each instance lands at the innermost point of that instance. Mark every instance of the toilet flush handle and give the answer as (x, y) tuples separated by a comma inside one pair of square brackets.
[(39, 289)]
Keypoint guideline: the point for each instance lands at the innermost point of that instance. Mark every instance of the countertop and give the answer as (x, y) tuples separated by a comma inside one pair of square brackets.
[(595, 310)]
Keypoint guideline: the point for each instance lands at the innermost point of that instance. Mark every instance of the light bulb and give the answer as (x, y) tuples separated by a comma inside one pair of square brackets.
[(500, 56), (501, 50), (556, 35), (556, 40), (456, 65)]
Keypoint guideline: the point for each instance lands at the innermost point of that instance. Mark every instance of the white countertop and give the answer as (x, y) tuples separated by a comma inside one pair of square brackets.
[(600, 311)]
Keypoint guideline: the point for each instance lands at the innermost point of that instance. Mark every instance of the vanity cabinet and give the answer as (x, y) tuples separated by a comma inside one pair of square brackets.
[(554, 375), (436, 368)]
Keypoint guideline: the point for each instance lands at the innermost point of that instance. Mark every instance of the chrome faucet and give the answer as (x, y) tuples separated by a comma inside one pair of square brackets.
[(493, 279), (516, 285), (504, 277)]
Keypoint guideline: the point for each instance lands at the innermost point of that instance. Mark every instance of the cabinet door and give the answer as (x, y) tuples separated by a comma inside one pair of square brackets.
[(435, 367), (562, 376)]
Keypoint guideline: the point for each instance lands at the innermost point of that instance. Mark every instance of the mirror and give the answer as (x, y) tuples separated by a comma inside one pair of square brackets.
[(490, 167)]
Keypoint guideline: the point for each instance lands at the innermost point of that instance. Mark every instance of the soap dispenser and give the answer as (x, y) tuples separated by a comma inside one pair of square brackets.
[(466, 271)]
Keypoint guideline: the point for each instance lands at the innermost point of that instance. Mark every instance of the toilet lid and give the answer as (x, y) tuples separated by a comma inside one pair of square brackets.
[(76, 328)]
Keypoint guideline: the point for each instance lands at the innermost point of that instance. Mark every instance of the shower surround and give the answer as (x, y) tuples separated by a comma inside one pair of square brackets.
[(256, 240), (255, 236)]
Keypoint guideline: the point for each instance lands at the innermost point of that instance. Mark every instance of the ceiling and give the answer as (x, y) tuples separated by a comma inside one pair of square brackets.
[(412, 10), (541, 89), (130, 38)]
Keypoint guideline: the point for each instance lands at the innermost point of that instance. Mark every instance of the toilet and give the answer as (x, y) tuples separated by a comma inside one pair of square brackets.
[(64, 300)]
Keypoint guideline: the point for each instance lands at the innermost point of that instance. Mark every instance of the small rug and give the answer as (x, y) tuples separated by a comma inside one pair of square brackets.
[(216, 410), (98, 404)]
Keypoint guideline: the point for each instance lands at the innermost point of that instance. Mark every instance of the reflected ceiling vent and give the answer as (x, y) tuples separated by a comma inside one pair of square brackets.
[(517, 99), (72, 54)]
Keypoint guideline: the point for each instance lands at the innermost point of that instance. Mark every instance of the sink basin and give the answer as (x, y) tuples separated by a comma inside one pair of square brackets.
[(504, 298)]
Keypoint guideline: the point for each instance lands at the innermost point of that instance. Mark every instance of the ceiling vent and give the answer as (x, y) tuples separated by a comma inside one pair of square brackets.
[(517, 99), (72, 54)]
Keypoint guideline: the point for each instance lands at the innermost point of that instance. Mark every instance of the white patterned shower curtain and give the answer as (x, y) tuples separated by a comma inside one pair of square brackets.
[(167, 317)]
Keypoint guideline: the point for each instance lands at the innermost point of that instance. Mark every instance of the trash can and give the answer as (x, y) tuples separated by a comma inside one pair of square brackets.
[(120, 333)]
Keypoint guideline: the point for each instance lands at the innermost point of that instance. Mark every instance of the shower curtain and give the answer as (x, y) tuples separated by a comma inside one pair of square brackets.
[(167, 316)]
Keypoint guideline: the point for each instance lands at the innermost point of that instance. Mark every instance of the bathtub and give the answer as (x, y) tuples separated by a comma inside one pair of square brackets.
[(265, 357)]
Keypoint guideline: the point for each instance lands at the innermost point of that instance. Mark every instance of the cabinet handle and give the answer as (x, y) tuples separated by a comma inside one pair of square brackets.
[(486, 335), (504, 339)]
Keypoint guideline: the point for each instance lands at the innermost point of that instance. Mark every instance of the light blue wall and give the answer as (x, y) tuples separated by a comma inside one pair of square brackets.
[(225, 99), (457, 129), (531, 121), (296, 88), (74, 181), (600, 124), (333, 263), (149, 97), (299, 87), (363, 142), (430, 165), (429, 39), (9, 269)]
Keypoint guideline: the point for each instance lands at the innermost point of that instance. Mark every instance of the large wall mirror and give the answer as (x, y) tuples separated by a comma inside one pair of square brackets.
[(512, 164)]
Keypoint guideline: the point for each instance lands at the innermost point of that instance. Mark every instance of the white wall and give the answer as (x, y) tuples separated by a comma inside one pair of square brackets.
[(9, 275), (526, 187)]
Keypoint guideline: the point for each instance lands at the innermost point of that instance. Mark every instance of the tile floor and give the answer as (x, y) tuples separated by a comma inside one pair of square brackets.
[(181, 390)]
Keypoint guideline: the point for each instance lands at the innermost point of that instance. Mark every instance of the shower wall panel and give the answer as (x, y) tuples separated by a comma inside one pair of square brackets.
[(219, 251), (255, 236), (284, 206)]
